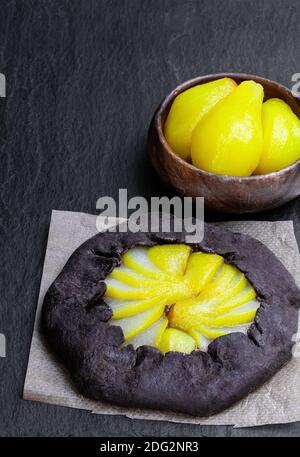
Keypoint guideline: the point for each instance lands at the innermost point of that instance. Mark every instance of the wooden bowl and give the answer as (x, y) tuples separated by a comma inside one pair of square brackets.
[(228, 194)]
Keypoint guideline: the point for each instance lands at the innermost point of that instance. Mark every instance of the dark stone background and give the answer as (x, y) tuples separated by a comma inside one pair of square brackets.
[(83, 79)]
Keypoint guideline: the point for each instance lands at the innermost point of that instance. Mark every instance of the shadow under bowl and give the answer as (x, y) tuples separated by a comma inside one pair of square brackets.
[(227, 194)]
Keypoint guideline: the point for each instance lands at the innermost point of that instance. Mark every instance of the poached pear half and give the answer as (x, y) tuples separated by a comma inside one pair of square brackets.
[(228, 140)]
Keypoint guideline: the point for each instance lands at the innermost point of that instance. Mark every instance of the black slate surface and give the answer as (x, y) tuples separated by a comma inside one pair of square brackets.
[(83, 79)]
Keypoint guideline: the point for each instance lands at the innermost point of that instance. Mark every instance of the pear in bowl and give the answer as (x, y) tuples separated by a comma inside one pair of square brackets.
[(234, 177)]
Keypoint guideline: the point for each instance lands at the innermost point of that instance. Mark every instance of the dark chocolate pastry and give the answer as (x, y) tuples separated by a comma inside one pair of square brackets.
[(77, 322)]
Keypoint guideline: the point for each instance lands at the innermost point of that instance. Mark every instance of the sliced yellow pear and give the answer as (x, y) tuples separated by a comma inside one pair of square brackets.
[(170, 258), (216, 332), (138, 260), (201, 269), (205, 298), (118, 289), (188, 109), (223, 279), (176, 340), (188, 313), (228, 140), (201, 340), (241, 315), (151, 336), (127, 308), (132, 326), (281, 141), (178, 290), (214, 309), (134, 279), (226, 277), (223, 288)]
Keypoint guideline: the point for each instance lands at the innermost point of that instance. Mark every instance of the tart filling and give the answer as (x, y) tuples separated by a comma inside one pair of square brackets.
[(174, 299)]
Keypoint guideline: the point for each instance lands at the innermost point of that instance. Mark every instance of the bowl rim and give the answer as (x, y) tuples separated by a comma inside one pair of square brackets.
[(191, 83)]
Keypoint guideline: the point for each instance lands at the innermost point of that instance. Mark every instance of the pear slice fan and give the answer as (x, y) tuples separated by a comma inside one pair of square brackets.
[(174, 299)]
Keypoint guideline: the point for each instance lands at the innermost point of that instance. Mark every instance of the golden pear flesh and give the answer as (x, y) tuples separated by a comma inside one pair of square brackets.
[(188, 109), (174, 299), (281, 141), (229, 139)]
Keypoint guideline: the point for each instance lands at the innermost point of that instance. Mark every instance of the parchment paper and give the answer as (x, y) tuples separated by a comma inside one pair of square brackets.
[(278, 401)]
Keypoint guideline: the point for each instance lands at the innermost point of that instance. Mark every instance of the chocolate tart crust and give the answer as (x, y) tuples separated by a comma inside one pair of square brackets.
[(75, 321)]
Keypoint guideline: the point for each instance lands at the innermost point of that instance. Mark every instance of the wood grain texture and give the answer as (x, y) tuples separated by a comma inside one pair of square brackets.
[(83, 80)]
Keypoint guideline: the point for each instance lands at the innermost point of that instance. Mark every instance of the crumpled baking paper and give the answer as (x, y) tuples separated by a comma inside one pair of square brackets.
[(277, 401)]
